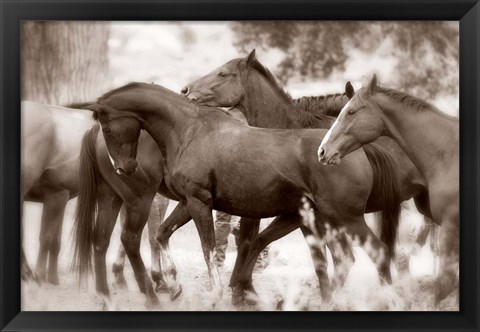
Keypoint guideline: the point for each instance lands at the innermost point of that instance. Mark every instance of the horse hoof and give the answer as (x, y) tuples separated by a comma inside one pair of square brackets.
[(176, 293), (120, 283), (108, 304), (28, 276), (53, 280), (161, 287), (250, 300), (238, 300), (39, 276), (153, 304)]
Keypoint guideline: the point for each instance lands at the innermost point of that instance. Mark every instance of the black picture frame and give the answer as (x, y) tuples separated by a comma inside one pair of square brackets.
[(14, 11)]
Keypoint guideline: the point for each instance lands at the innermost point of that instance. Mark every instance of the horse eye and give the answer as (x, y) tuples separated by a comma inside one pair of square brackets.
[(351, 111), (222, 74), (107, 130)]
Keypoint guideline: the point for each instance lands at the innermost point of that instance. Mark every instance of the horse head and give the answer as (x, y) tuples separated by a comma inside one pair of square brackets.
[(358, 123), (121, 132), (224, 86)]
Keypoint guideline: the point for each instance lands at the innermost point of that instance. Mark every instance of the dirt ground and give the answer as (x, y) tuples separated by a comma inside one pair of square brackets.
[(288, 278)]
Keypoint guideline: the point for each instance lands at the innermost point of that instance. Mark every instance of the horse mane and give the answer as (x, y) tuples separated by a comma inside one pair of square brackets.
[(330, 104), (304, 111), (128, 86), (267, 74), (407, 100), (120, 89), (310, 120)]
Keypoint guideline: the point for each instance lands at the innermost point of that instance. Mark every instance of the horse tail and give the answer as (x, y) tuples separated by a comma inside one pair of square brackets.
[(385, 175), (86, 209)]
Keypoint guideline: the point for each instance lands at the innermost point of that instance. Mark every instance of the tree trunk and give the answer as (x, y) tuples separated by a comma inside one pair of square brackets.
[(64, 62)]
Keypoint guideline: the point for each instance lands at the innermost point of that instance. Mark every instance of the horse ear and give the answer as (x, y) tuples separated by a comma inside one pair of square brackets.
[(372, 84), (94, 108), (349, 91), (251, 58)]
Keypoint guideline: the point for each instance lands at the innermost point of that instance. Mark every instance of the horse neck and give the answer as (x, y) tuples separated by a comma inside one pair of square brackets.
[(321, 111), (429, 137), (167, 120), (264, 106)]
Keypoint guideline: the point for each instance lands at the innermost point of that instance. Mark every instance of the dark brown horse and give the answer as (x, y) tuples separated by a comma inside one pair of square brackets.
[(429, 137), (249, 86), (213, 161), (103, 188)]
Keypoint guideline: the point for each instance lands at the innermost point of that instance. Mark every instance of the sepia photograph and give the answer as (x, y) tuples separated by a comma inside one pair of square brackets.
[(240, 166)]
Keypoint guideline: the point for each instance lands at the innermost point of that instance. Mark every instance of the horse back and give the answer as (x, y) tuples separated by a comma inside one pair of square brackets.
[(38, 137), (51, 141)]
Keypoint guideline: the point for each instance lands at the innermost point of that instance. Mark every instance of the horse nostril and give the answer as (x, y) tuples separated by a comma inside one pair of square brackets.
[(321, 154), (193, 99), (185, 90)]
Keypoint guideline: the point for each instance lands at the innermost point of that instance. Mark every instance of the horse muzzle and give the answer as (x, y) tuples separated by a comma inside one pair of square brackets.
[(127, 168), (328, 156)]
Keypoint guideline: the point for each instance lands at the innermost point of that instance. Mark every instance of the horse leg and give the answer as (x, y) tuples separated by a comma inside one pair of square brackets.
[(201, 212), (278, 228), (109, 204), (342, 256), (179, 217), (26, 272), (119, 264), (52, 274), (50, 235), (248, 231), (336, 241), (155, 219), (434, 246), (449, 255), (319, 257), (379, 253), (421, 238), (137, 215)]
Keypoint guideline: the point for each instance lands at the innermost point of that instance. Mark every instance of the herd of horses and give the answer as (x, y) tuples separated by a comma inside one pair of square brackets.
[(235, 141)]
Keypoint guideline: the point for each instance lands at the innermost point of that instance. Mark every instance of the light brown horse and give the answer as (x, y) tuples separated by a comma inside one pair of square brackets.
[(51, 138), (429, 137), (213, 161)]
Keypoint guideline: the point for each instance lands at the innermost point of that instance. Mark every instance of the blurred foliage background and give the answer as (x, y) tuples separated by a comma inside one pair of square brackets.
[(65, 62), (425, 53)]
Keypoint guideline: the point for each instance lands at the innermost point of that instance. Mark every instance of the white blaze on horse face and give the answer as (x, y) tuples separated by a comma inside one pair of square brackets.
[(326, 138), (111, 159)]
